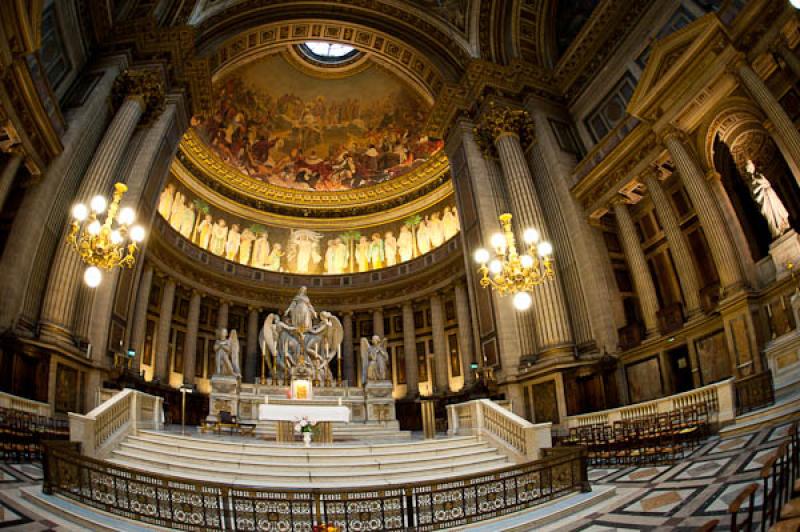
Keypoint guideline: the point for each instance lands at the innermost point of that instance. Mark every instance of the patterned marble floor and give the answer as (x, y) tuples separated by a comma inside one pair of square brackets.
[(659, 498)]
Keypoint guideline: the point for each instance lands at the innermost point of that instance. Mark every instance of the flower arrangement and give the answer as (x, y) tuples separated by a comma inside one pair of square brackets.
[(325, 527), (304, 425)]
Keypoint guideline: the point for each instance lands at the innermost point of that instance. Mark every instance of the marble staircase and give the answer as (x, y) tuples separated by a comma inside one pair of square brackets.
[(257, 463), (387, 430)]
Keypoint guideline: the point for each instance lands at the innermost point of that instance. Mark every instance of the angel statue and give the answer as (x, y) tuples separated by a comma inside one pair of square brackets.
[(279, 345), (772, 207), (300, 311), (227, 350), (324, 343), (374, 360)]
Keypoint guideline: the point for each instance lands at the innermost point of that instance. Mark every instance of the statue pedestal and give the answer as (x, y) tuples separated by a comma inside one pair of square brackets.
[(380, 403), (785, 249), (224, 396)]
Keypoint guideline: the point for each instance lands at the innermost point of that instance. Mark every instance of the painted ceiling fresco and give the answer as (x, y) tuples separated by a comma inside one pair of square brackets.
[(285, 126)]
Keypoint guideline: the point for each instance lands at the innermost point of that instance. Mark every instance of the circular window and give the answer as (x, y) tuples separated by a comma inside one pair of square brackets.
[(328, 52)]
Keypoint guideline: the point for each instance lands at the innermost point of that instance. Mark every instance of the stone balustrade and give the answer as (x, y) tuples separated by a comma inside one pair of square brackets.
[(15, 402), (718, 397), (125, 413), (520, 439)]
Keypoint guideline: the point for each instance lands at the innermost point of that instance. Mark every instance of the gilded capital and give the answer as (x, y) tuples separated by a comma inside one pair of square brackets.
[(497, 122), (671, 132), (143, 85)]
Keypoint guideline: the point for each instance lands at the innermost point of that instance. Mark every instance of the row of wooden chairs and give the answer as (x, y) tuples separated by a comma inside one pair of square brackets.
[(22, 434), (780, 488), (662, 438)]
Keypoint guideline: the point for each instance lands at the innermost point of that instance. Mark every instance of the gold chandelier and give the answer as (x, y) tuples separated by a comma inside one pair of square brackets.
[(105, 245), (512, 273)]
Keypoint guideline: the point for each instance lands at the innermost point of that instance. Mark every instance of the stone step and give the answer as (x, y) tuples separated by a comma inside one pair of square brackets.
[(240, 461), (784, 410)]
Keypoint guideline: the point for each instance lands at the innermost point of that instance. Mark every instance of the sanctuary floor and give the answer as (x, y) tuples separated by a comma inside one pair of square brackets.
[(659, 498)]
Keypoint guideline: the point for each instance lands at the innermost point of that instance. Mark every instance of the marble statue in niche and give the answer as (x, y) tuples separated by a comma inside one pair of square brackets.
[(165, 201), (219, 235), (261, 250), (772, 208), (362, 254), (204, 231), (376, 255), (405, 244), (374, 360), (304, 249), (233, 242), (246, 246), (390, 248), (436, 230), (226, 349)]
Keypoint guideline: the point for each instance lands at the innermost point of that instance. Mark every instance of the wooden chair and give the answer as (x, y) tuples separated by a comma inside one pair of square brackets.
[(227, 420), (747, 494)]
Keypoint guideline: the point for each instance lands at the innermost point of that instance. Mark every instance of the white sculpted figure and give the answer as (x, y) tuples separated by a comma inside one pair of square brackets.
[(405, 243), (436, 230), (176, 214), (772, 207), (204, 230), (340, 255), (246, 247), (390, 248), (233, 243), (219, 235), (187, 221), (301, 313), (423, 237), (450, 221), (374, 360), (304, 249), (261, 251), (226, 349), (330, 257), (165, 202)]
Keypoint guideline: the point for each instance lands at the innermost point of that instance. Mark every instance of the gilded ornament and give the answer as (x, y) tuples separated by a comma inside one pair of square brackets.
[(498, 121), (144, 84)]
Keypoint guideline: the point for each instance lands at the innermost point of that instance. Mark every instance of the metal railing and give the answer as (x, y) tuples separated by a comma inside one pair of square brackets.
[(198, 505), (754, 392)]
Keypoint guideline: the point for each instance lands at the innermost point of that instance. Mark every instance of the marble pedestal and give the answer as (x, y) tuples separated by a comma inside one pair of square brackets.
[(224, 396), (784, 250), (380, 403)]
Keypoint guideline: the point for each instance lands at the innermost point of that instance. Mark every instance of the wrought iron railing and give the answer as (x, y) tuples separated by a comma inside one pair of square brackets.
[(194, 505), (754, 392)]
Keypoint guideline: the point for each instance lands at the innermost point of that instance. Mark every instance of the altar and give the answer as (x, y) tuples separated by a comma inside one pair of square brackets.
[(288, 414)]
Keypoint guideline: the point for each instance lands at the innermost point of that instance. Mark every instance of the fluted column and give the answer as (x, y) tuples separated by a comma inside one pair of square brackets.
[(348, 362), (687, 273), (508, 129), (190, 345), (788, 140), (719, 241), (464, 332), (7, 177), (140, 315), (251, 365), (161, 369), (642, 281), (222, 314), (442, 381), (377, 322), (410, 350), (65, 272)]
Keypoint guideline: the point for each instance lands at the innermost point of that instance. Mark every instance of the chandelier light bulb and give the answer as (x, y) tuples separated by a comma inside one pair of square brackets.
[(127, 216), (522, 301), (80, 212), (137, 233), (92, 276), (94, 228), (526, 261), (481, 256), (545, 249), (795, 3), (531, 235), (495, 266), (116, 237), (498, 241), (98, 204)]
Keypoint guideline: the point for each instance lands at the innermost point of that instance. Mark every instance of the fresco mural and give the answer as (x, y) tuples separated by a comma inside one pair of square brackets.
[(306, 251), (278, 124)]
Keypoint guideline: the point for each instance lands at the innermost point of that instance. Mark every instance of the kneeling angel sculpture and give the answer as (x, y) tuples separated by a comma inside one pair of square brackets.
[(374, 360), (226, 349)]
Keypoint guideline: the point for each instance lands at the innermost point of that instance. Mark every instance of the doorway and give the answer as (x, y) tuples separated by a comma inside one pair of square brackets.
[(681, 368)]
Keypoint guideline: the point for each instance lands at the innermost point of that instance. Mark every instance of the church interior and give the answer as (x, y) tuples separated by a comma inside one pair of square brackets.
[(399, 265)]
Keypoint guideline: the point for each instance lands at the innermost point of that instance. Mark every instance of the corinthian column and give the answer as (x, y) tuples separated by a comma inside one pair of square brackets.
[(788, 138), (348, 363), (138, 92), (161, 369), (410, 350), (719, 241), (442, 380), (464, 332), (508, 129), (251, 365), (140, 315), (222, 315), (687, 274), (642, 281), (377, 322), (190, 346)]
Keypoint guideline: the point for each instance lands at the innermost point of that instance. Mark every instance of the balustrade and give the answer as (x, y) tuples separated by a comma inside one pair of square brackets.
[(15, 402)]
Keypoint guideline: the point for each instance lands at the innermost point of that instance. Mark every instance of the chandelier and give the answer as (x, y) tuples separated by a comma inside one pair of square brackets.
[(511, 273), (105, 245)]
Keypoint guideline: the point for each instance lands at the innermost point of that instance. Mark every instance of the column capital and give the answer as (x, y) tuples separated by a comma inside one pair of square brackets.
[(497, 122), (197, 292), (251, 308), (671, 132), (144, 86), (348, 313)]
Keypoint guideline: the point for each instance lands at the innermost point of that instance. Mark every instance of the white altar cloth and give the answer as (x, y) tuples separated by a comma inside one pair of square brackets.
[(270, 412)]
